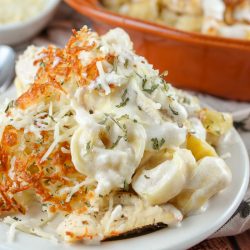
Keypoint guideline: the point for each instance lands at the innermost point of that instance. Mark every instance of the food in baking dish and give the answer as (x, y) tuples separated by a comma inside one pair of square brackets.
[(213, 17), (99, 145)]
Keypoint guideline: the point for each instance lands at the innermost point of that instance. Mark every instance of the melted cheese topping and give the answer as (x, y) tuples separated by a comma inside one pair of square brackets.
[(102, 137)]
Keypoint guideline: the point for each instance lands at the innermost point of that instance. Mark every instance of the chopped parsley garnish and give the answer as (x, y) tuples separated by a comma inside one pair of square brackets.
[(42, 64), (125, 186), (88, 146), (116, 142), (69, 113), (125, 130), (91, 111), (17, 219), (52, 118), (87, 203), (186, 100), (122, 127), (165, 86), (104, 121), (146, 177), (126, 63), (138, 75), (125, 99), (126, 116), (99, 86), (157, 144), (108, 127), (218, 132), (115, 121), (99, 46), (10, 105), (151, 90), (173, 111)]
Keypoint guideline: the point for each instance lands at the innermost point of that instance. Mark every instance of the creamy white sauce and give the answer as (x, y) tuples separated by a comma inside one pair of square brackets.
[(150, 115), (213, 8), (197, 128), (211, 176), (112, 132), (147, 116), (111, 167), (163, 182), (173, 135)]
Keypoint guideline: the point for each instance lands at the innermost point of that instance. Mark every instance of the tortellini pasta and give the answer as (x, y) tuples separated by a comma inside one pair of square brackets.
[(135, 133), (111, 155), (165, 181), (142, 134), (209, 177)]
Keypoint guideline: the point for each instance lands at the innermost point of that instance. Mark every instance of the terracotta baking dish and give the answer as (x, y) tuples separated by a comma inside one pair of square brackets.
[(214, 65)]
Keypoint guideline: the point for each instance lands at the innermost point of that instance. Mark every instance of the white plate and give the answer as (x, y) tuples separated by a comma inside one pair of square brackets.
[(193, 230), (17, 32)]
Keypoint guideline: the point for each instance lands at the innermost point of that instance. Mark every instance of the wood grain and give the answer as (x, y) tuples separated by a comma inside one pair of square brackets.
[(243, 240)]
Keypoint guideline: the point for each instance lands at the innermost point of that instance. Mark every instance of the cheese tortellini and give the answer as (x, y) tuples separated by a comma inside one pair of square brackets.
[(209, 177), (134, 132), (143, 134), (110, 155), (165, 181)]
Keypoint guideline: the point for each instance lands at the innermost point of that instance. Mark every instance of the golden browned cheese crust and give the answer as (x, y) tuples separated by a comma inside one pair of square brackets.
[(29, 172)]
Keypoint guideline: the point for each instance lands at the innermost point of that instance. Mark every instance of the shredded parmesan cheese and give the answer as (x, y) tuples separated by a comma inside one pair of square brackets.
[(97, 123)]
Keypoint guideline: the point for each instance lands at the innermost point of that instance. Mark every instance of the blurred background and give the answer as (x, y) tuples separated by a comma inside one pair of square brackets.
[(204, 44)]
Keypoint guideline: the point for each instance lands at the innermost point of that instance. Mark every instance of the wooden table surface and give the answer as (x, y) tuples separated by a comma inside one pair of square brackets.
[(239, 242)]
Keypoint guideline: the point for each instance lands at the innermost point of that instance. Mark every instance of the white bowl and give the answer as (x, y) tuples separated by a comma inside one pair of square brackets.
[(18, 32)]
